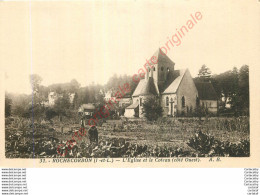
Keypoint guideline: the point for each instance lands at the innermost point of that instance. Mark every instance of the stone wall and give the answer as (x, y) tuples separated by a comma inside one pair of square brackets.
[(188, 90)]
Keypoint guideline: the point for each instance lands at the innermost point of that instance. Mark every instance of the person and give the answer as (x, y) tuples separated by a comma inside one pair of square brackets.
[(93, 134), (82, 122)]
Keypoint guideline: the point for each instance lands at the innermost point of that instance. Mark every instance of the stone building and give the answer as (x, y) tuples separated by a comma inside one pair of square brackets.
[(175, 89), (207, 96), (86, 110)]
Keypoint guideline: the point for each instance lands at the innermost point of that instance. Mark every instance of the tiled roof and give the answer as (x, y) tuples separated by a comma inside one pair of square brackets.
[(133, 106), (206, 91), (172, 88), (146, 87), (87, 106), (162, 58)]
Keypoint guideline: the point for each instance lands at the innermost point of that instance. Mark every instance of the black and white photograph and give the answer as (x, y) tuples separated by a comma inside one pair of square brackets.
[(129, 80)]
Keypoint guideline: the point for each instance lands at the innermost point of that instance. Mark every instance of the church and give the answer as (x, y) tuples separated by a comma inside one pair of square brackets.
[(175, 89)]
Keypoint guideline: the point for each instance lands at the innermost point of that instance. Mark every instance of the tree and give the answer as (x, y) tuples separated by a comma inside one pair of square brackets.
[(21, 111), (243, 83), (35, 81), (233, 87), (204, 73), (8, 103), (224, 85), (74, 85), (234, 92), (201, 111), (36, 109), (114, 81), (62, 105), (20, 105), (38, 91), (50, 113), (75, 103), (152, 109)]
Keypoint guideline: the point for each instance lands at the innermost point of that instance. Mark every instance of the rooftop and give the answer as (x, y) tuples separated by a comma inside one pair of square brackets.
[(206, 91), (146, 87)]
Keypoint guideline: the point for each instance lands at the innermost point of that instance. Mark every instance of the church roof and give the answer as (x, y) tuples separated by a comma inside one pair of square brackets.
[(87, 106), (162, 58), (206, 91), (133, 106), (173, 87), (146, 87)]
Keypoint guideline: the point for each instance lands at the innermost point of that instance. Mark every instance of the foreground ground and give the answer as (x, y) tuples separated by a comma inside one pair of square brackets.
[(25, 141)]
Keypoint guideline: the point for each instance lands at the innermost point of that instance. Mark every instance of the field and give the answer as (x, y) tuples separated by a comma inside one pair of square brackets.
[(175, 132), (171, 134)]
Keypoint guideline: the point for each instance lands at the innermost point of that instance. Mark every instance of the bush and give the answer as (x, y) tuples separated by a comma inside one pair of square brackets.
[(8, 103), (229, 124), (207, 145), (152, 109), (46, 146), (50, 113)]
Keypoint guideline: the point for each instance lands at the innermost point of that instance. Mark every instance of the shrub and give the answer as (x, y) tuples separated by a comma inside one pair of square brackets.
[(152, 109), (8, 103), (207, 145), (50, 113)]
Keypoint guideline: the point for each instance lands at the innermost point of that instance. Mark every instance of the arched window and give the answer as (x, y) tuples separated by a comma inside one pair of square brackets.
[(183, 101), (167, 101), (161, 68), (197, 101)]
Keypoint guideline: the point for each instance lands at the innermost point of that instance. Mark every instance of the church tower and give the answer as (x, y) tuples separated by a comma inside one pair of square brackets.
[(163, 68)]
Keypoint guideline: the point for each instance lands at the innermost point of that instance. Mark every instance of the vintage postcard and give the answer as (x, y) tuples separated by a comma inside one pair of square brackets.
[(130, 83)]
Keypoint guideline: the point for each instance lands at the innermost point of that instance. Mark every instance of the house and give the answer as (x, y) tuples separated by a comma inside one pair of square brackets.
[(207, 96), (108, 95), (227, 101), (126, 100), (132, 110), (86, 110), (175, 89), (71, 97), (53, 96)]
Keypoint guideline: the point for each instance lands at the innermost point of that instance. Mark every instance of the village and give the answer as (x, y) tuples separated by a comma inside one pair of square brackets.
[(158, 89), (166, 114), (175, 89)]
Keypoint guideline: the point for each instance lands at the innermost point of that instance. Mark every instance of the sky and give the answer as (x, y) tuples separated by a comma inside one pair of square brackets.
[(90, 41)]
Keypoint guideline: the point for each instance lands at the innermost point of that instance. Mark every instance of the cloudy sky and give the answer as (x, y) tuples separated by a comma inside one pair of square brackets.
[(90, 41)]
